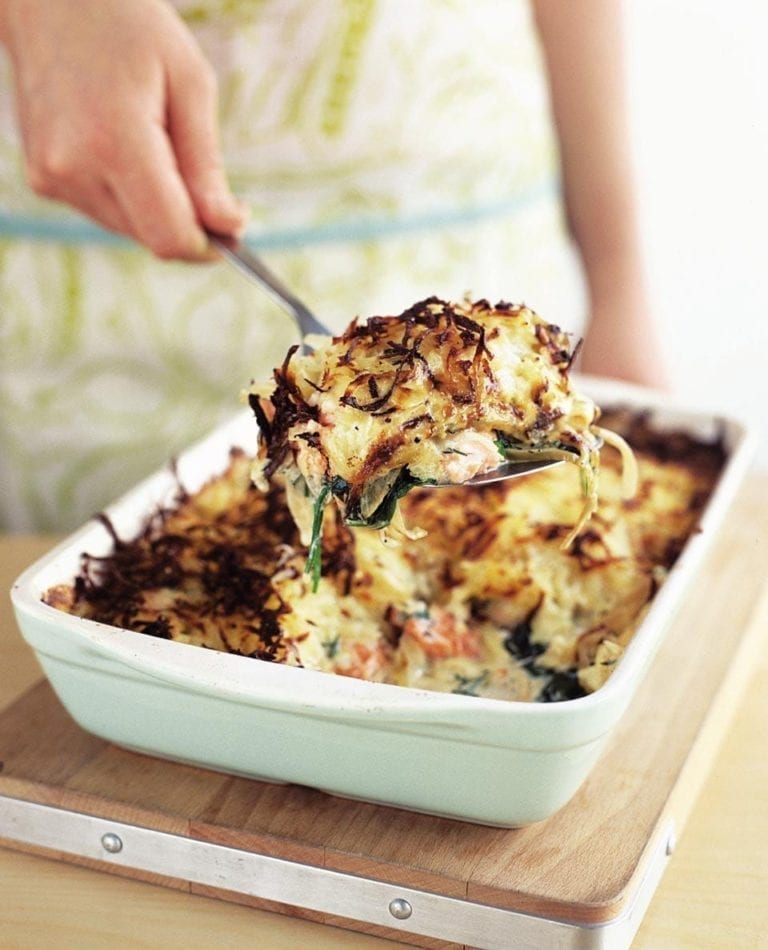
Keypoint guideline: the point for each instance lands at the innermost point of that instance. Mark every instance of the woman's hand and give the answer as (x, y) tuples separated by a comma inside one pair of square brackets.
[(117, 111)]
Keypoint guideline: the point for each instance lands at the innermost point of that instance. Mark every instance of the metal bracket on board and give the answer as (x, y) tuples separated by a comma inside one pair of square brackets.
[(315, 888)]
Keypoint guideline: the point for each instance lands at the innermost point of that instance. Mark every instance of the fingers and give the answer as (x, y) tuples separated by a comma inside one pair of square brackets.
[(154, 199), (132, 187), (101, 206), (97, 201), (119, 121), (193, 131)]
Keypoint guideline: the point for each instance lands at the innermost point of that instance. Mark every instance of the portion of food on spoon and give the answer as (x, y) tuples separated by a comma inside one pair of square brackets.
[(439, 394)]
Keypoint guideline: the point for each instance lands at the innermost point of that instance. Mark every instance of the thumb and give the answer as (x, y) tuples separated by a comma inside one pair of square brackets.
[(194, 135)]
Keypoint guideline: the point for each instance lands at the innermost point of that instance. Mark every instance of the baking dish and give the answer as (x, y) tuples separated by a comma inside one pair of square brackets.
[(483, 760)]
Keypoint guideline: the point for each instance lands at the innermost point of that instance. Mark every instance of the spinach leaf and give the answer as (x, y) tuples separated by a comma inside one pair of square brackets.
[(467, 685), (383, 514), (504, 443), (518, 643), (314, 563), (561, 687), (507, 443), (331, 647)]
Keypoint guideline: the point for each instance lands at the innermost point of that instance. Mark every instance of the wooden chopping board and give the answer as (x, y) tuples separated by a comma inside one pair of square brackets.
[(582, 865)]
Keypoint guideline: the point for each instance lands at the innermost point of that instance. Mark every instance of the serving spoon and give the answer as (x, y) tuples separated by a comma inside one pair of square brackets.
[(246, 262)]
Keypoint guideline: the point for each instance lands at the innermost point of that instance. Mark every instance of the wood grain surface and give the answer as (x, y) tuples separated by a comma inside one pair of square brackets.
[(582, 863)]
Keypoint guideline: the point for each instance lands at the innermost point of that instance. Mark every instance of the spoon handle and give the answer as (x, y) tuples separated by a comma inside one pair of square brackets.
[(252, 266)]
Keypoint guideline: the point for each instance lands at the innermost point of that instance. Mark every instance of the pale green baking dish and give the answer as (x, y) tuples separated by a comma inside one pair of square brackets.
[(489, 761)]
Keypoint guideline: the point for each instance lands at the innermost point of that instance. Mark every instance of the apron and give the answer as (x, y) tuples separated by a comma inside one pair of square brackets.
[(388, 150)]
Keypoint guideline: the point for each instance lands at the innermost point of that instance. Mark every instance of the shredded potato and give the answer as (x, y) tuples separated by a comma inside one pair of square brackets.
[(487, 603), (439, 394)]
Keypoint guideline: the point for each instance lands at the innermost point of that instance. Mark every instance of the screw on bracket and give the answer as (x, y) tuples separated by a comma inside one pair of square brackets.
[(400, 908), (111, 842)]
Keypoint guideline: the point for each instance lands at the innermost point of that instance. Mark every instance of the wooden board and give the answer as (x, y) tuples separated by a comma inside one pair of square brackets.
[(582, 865)]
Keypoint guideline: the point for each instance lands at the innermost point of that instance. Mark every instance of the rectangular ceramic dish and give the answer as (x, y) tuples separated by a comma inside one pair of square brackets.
[(483, 760)]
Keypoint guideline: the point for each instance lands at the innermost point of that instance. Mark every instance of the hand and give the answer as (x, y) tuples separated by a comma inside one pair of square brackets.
[(117, 111)]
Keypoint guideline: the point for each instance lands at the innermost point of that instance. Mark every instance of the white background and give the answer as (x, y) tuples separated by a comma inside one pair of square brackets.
[(698, 73)]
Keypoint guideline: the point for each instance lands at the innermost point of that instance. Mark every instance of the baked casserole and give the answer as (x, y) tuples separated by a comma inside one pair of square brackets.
[(488, 602)]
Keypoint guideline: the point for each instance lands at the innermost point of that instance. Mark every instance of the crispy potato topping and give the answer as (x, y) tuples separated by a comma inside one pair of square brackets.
[(487, 603), (439, 394)]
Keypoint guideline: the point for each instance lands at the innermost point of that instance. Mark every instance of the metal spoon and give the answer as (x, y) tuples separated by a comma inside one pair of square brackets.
[(247, 263), (501, 473), (235, 253)]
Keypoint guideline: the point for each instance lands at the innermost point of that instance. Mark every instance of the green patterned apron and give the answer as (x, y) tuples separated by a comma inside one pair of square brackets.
[(388, 150)]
